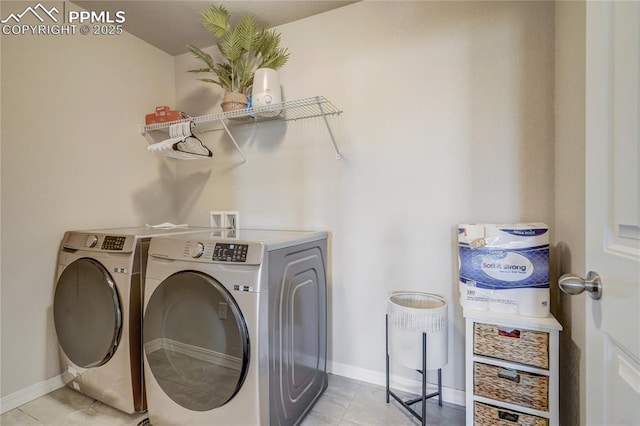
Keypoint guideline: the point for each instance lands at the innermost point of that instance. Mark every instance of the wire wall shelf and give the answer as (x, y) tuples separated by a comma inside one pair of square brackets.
[(317, 106)]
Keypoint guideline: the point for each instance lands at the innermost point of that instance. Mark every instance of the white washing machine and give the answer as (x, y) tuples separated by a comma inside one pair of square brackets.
[(97, 310), (234, 327)]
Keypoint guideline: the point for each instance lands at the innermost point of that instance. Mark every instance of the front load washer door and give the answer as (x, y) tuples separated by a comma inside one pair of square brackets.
[(87, 313), (196, 341)]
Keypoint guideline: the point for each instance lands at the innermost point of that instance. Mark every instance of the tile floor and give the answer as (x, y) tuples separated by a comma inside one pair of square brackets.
[(346, 402)]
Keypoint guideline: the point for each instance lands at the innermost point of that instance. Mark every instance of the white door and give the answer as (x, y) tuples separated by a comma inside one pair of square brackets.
[(613, 212)]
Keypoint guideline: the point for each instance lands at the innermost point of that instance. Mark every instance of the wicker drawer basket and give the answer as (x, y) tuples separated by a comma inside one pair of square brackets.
[(488, 415), (516, 387), (518, 345)]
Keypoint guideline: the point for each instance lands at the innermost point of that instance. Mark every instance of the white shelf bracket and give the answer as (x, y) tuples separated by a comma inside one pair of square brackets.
[(244, 159), (326, 122)]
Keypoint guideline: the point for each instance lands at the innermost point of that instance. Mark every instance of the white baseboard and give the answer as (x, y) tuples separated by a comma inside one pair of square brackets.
[(30, 393), (452, 396), (449, 395)]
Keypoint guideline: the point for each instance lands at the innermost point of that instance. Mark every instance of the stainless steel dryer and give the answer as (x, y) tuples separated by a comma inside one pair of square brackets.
[(97, 310), (235, 327)]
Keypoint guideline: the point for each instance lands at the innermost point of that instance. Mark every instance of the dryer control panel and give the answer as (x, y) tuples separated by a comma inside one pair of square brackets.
[(207, 251), (230, 252)]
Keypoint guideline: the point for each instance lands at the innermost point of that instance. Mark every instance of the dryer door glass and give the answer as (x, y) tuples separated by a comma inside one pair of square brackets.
[(196, 341), (87, 313)]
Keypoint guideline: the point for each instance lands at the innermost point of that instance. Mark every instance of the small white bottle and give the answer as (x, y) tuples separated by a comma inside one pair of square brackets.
[(266, 91)]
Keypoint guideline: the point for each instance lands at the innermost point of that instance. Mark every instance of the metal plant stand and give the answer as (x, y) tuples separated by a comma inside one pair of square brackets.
[(423, 372)]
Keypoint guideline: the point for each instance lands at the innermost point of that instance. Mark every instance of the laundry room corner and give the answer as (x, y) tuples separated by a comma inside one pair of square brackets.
[(444, 114), (72, 157)]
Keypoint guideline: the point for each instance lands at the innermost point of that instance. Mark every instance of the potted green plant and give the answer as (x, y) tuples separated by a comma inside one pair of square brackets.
[(245, 48)]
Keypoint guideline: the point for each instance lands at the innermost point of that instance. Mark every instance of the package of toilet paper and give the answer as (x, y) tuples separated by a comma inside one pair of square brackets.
[(504, 268)]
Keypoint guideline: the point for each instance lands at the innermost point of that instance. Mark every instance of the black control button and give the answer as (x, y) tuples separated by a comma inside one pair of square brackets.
[(113, 243)]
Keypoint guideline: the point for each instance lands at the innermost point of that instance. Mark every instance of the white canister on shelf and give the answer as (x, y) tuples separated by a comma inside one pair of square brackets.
[(266, 91)]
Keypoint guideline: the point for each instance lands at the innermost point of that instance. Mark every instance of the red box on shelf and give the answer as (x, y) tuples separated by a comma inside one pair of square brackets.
[(164, 114)]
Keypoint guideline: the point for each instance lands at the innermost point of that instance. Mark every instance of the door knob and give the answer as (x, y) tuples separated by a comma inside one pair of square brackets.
[(572, 284)]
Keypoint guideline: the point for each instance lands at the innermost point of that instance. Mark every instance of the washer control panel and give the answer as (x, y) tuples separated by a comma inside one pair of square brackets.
[(98, 242), (111, 242)]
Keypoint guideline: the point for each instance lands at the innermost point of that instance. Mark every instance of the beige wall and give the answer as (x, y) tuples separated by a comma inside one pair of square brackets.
[(569, 194), (72, 158), (448, 118)]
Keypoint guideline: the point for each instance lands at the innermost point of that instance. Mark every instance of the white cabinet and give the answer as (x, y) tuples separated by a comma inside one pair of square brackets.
[(511, 364)]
